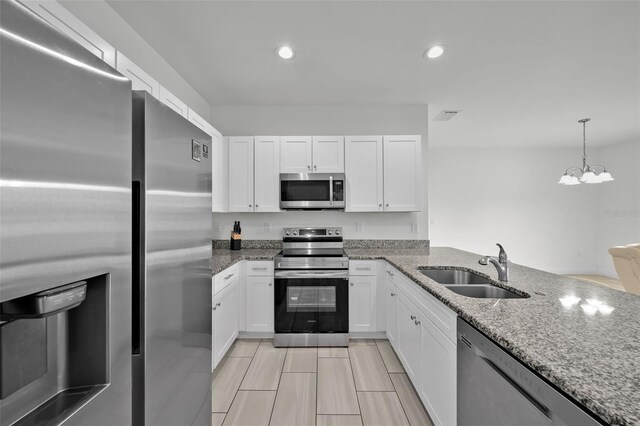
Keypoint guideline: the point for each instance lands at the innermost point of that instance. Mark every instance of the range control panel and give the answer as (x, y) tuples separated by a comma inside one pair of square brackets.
[(312, 232)]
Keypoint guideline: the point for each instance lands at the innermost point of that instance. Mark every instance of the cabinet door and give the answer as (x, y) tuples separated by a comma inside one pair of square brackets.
[(259, 306), (219, 176), (363, 312), (267, 173), (295, 154), (392, 313), (328, 154), (225, 311), (240, 174), (198, 121), (64, 21), (402, 173), (363, 172), (438, 389), (140, 80), (409, 342), (172, 101)]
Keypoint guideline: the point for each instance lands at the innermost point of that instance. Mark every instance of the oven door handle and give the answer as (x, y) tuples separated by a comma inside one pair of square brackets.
[(311, 274)]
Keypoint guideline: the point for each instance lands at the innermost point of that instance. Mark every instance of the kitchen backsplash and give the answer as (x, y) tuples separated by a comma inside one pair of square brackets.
[(348, 244)]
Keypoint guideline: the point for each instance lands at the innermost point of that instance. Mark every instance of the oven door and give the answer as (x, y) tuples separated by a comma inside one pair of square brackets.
[(311, 191), (311, 302)]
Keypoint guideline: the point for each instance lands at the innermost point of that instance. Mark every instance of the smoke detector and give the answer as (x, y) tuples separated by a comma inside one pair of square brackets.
[(446, 115)]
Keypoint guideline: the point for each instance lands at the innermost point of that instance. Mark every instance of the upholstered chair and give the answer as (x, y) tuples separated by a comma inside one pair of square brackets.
[(626, 259)]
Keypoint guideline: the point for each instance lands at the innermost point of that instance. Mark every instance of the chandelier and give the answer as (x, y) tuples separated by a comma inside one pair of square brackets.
[(586, 174)]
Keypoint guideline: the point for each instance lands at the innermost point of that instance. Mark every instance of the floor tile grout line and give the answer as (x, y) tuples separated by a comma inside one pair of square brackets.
[(238, 390), (278, 387), (353, 376)]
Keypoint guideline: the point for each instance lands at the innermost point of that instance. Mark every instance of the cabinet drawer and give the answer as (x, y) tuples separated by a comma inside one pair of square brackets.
[(363, 267), (223, 279), (443, 317), (260, 268), (390, 272)]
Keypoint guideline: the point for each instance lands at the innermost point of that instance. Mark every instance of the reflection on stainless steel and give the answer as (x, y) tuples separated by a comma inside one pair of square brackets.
[(60, 56), (65, 213), (172, 366)]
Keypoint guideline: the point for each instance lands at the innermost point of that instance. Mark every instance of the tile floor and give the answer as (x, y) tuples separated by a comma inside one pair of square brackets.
[(258, 384)]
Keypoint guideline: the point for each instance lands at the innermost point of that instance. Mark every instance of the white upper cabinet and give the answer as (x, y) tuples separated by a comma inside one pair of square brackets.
[(241, 174), (140, 80), (364, 174), (198, 121), (267, 173), (295, 154), (172, 101), (402, 173), (328, 154), (219, 172), (63, 20)]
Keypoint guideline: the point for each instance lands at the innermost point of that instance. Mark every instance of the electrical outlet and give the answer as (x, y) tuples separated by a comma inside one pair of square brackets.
[(267, 227), (359, 226), (414, 227)]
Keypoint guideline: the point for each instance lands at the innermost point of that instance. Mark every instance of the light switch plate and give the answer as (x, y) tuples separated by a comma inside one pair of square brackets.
[(267, 227)]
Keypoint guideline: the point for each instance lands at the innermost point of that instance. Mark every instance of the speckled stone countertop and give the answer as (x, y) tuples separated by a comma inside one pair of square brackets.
[(221, 259), (593, 358)]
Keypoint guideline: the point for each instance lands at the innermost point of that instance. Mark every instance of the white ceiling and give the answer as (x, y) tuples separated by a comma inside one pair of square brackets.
[(522, 73)]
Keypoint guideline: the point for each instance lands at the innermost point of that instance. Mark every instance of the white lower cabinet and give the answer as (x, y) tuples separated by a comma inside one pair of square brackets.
[(409, 342), (391, 296), (438, 381), (225, 320), (259, 304), (363, 303)]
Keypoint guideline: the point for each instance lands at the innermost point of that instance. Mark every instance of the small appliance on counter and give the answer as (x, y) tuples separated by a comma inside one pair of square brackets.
[(236, 237), (312, 289)]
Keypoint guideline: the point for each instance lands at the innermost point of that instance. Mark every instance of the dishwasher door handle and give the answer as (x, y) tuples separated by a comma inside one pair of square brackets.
[(539, 406)]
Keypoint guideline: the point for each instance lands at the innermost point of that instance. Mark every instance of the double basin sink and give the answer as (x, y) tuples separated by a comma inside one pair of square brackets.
[(469, 284)]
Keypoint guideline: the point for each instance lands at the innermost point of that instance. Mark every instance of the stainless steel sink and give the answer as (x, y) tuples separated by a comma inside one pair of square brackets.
[(469, 284), (454, 276), (483, 291)]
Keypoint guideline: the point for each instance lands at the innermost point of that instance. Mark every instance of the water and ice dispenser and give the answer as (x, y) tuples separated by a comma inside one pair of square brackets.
[(54, 351)]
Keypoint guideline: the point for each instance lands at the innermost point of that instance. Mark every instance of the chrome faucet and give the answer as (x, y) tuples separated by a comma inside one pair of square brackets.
[(501, 263)]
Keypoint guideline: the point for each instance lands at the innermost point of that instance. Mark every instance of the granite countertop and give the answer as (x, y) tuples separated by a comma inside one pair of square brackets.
[(593, 358), (221, 259)]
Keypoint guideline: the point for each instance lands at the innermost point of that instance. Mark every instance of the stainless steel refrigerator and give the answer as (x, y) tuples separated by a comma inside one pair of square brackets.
[(105, 242), (65, 219), (171, 269)]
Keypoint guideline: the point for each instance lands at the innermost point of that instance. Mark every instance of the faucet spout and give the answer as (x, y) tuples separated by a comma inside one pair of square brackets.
[(501, 263)]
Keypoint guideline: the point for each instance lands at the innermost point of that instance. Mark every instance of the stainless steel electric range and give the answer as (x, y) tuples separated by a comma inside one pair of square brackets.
[(311, 289)]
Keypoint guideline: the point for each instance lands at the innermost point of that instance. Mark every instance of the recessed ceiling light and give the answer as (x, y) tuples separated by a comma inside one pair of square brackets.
[(434, 52), (285, 52)]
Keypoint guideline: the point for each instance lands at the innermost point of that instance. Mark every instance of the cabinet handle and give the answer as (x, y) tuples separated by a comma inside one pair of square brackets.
[(351, 284), (380, 205), (270, 284), (393, 294), (308, 167), (228, 276), (214, 308), (249, 205), (413, 317), (259, 268), (417, 322), (387, 205), (390, 273), (362, 268), (256, 206), (315, 167), (217, 304)]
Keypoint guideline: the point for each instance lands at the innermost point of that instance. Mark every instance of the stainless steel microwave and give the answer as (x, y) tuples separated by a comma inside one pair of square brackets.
[(312, 191)]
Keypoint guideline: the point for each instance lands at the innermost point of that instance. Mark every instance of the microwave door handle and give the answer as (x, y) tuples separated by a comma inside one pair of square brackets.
[(331, 190)]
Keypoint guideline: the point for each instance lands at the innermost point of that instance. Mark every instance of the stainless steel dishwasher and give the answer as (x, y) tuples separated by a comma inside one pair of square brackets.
[(494, 388)]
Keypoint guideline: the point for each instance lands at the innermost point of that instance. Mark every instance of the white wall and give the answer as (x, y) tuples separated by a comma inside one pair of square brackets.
[(618, 213), (242, 120), (510, 195), (102, 19)]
